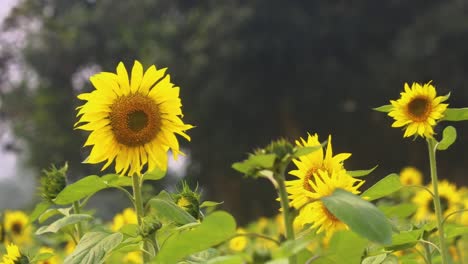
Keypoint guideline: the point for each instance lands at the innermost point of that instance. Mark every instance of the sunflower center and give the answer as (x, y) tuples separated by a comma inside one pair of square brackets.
[(309, 177), (17, 227), (444, 205), (419, 108), (135, 119)]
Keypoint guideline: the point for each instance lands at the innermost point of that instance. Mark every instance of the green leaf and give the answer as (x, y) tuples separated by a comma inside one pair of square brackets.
[(209, 204), (63, 222), (449, 135), (360, 215), (154, 175), (292, 247), (80, 189), (361, 173), (51, 212), (170, 211), (456, 114), (117, 180), (301, 151), (452, 231), (345, 247), (226, 260), (254, 163), (38, 210), (131, 230), (215, 229), (405, 239), (402, 210), (42, 256), (384, 108), (382, 188), (94, 247), (375, 259)]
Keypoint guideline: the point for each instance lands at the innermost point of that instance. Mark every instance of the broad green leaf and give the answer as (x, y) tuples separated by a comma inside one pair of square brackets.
[(301, 151), (209, 204), (117, 180), (449, 135), (94, 247), (375, 259), (63, 222), (402, 210), (292, 247), (170, 211), (452, 231), (131, 230), (360, 215), (38, 210), (382, 188), (456, 114), (226, 260), (345, 247), (154, 175), (51, 212), (254, 163), (405, 239), (42, 256), (215, 229), (80, 189), (384, 108), (361, 173)]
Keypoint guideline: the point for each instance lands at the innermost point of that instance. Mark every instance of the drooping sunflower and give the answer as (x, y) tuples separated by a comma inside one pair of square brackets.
[(128, 216), (308, 167), (410, 176), (322, 184), (450, 200), (17, 228), (132, 120), (418, 109)]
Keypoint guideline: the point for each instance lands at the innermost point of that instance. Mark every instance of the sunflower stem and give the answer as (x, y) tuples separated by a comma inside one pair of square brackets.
[(431, 144), (280, 177), (79, 228), (138, 203)]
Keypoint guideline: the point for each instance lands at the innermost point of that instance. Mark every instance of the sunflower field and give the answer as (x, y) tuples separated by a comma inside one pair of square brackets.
[(133, 119)]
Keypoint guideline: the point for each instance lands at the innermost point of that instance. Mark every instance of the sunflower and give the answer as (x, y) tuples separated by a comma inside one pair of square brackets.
[(132, 120), (308, 167), (323, 184), (239, 243), (17, 227), (450, 200), (52, 260), (410, 176), (128, 216), (418, 110), (134, 257), (13, 255)]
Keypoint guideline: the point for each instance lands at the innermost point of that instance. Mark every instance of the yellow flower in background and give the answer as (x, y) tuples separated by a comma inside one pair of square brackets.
[(308, 167), (133, 120), (13, 254), (324, 184), (238, 243), (135, 257), (52, 260), (69, 247), (410, 176), (450, 200), (128, 216), (418, 110), (17, 227)]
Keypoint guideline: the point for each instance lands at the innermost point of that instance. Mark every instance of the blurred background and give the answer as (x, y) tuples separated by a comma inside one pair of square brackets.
[(249, 72)]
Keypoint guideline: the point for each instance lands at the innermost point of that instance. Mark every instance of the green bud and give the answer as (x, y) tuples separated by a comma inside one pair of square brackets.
[(188, 200), (53, 181), (281, 148), (149, 225)]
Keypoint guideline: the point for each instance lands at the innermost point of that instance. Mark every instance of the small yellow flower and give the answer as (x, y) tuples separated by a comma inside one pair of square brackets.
[(418, 110), (52, 260), (410, 176), (132, 120), (128, 216), (69, 247), (449, 199), (17, 227), (133, 258), (13, 254), (239, 243)]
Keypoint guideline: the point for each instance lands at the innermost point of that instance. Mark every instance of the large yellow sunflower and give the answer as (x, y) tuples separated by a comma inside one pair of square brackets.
[(323, 184), (308, 167), (17, 228), (418, 109), (132, 120), (450, 200)]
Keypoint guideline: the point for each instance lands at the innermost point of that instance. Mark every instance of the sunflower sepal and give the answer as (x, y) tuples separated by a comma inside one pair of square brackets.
[(361, 173), (384, 108), (449, 135)]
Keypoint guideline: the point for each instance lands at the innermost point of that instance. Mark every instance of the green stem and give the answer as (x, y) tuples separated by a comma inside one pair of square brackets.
[(431, 143), (79, 228), (285, 206), (138, 203)]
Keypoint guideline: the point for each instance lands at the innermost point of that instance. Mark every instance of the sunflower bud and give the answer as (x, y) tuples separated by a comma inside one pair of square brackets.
[(188, 200), (149, 225), (53, 182), (281, 148)]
